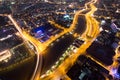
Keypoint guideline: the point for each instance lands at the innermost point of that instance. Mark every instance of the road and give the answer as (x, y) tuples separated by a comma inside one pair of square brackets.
[(40, 47), (89, 35), (53, 38), (55, 51), (23, 71), (36, 43)]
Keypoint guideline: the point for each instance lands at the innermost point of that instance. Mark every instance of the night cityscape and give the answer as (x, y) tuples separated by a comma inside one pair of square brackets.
[(59, 39)]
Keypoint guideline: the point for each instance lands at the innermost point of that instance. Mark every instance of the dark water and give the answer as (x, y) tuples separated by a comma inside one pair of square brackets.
[(53, 53), (81, 26), (23, 72)]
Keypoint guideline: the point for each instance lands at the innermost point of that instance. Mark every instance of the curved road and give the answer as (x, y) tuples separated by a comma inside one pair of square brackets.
[(41, 46), (92, 31), (89, 35)]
